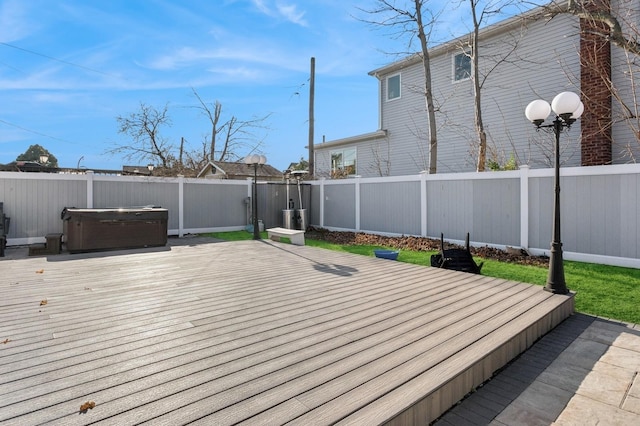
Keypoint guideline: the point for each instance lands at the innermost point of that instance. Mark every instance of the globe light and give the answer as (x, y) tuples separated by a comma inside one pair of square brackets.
[(578, 113), (565, 103), (537, 110)]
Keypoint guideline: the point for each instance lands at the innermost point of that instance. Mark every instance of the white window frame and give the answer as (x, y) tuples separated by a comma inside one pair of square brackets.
[(454, 66), (341, 167), (388, 93)]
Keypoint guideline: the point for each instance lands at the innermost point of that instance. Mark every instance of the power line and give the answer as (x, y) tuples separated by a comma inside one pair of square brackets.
[(56, 59), (36, 132)]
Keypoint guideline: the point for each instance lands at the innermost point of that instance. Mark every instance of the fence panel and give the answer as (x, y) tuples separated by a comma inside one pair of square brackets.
[(340, 206), (34, 204), (450, 209), (115, 192), (541, 211), (390, 207), (217, 205), (496, 211)]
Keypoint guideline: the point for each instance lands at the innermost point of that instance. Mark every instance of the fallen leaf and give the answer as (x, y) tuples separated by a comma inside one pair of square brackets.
[(5, 341), (43, 302), (40, 271), (87, 406)]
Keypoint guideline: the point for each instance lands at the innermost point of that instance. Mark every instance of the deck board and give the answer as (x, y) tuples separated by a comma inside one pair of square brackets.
[(256, 332)]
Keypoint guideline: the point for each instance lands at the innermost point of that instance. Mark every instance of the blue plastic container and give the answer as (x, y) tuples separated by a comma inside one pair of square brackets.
[(387, 254)]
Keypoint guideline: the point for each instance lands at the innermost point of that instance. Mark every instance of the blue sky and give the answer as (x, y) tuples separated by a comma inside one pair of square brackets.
[(68, 68)]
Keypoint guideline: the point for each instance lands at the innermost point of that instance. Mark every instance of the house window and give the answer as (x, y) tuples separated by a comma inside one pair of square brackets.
[(462, 66), (343, 162), (393, 87)]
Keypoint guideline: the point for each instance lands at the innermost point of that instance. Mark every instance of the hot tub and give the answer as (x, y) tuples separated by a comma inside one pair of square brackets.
[(114, 228)]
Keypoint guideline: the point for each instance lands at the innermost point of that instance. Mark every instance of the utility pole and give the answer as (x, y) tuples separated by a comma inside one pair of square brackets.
[(312, 84)]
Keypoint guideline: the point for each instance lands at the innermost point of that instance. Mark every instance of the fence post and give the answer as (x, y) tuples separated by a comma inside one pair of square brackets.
[(321, 202), (524, 207), (423, 204), (180, 206), (89, 174), (357, 204)]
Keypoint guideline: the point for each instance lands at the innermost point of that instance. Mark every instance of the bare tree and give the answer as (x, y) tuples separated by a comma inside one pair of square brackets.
[(604, 24), (406, 19), (613, 25), (227, 141), (381, 163), (229, 138), (481, 11), (143, 127), (617, 23)]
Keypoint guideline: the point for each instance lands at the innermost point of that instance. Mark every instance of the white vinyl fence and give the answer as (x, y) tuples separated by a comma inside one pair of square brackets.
[(600, 209), (600, 206)]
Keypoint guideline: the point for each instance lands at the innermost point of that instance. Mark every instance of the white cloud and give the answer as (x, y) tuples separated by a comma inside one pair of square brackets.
[(291, 13), (262, 7), (282, 10), (14, 21)]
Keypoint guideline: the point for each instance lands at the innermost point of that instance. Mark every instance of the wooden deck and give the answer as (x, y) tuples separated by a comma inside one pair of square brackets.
[(253, 332)]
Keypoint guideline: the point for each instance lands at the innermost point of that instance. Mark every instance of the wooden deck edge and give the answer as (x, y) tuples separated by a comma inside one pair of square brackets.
[(432, 406)]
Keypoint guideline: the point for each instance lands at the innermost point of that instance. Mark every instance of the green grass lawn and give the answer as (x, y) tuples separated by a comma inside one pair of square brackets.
[(606, 291)]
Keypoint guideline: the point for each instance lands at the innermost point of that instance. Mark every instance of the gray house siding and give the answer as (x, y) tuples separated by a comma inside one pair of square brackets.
[(531, 72), (626, 136), (372, 156), (405, 121)]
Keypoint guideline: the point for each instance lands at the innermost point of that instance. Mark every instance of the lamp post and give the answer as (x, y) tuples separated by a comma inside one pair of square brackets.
[(44, 159), (150, 167), (255, 161), (568, 109)]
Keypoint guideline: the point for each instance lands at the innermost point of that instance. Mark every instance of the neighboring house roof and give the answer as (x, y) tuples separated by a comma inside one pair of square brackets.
[(212, 171), (353, 139), (136, 170), (238, 170)]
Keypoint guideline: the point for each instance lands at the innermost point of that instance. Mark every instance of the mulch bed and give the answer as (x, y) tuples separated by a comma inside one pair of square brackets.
[(422, 244)]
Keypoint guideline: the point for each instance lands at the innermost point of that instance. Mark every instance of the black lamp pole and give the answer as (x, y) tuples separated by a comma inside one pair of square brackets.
[(255, 161), (568, 109), (254, 209), (555, 278)]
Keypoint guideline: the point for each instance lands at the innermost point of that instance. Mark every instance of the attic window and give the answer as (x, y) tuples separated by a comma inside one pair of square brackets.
[(393, 87), (462, 66)]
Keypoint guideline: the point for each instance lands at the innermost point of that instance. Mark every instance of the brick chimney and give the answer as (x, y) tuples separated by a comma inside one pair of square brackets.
[(595, 81)]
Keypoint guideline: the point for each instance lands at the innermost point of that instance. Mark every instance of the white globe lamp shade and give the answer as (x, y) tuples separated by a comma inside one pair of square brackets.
[(247, 159), (537, 110), (262, 159), (565, 103), (578, 113)]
